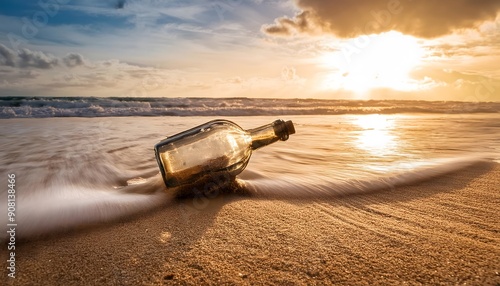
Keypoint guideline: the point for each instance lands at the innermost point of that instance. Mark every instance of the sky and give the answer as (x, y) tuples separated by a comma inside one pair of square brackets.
[(336, 49)]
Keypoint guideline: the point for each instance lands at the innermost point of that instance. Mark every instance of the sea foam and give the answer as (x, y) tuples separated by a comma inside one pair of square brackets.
[(69, 207), (38, 107)]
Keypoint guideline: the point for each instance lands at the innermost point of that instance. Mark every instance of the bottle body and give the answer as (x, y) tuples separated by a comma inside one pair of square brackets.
[(218, 146)]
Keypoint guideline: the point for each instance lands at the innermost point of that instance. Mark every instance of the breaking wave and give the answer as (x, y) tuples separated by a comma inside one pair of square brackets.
[(36, 107)]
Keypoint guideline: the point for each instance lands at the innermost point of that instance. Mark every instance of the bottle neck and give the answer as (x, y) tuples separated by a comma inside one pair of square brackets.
[(268, 134)]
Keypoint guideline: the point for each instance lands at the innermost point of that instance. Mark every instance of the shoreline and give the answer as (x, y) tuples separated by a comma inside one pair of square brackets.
[(442, 231)]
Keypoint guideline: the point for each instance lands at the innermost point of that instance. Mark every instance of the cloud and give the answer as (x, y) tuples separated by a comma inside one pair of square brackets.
[(120, 4), (73, 60), (289, 74), (425, 19), (117, 78), (25, 58), (28, 58), (7, 56), (8, 76)]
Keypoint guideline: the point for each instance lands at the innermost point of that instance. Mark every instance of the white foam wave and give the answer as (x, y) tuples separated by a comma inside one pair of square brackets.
[(68, 207), (313, 187), (20, 107)]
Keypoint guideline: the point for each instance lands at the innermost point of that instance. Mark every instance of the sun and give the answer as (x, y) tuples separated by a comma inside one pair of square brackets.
[(375, 61)]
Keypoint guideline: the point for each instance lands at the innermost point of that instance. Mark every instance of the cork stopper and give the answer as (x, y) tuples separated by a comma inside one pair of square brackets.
[(289, 127), (283, 129)]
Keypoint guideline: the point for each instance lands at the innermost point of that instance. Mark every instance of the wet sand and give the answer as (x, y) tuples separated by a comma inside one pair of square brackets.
[(443, 231)]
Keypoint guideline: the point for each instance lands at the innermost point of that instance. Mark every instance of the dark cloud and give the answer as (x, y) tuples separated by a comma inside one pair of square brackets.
[(35, 59), (28, 58), (120, 4), (7, 56), (73, 60), (425, 19)]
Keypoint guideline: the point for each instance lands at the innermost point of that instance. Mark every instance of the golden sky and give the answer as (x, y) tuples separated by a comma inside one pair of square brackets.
[(380, 49)]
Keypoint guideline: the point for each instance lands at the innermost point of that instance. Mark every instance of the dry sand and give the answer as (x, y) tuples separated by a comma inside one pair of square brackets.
[(444, 231)]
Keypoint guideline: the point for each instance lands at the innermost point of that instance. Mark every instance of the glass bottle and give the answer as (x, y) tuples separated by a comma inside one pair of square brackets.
[(218, 146)]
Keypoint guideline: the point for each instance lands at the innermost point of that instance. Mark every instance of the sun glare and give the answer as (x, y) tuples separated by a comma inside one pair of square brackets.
[(375, 61), (375, 135)]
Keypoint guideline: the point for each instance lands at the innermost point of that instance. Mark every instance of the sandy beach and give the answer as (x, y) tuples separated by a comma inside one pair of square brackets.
[(443, 231)]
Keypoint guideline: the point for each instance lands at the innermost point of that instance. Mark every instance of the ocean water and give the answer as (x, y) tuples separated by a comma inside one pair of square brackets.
[(74, 170), (38, 107)]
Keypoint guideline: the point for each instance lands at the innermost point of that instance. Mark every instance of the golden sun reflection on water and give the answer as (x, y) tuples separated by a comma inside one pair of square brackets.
[(376, 135)]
